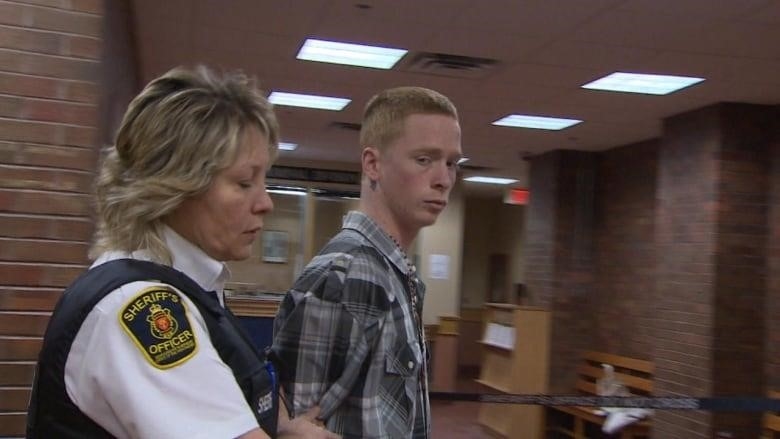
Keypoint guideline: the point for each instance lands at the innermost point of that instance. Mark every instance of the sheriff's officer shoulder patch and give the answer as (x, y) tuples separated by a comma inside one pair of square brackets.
[(157, 322)]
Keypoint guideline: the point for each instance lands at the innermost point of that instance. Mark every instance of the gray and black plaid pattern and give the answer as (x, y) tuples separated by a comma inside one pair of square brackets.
[(346, 338)]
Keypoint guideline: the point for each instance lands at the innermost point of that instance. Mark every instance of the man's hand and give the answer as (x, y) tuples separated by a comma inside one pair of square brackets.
[(307, 426), (304, 428)]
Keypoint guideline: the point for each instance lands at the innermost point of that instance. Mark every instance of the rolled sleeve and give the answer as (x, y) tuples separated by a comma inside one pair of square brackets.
[(324, 332), (324, 346), (330, 335)]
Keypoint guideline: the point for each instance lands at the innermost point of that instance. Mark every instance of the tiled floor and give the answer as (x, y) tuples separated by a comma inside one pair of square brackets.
[(458, 420)]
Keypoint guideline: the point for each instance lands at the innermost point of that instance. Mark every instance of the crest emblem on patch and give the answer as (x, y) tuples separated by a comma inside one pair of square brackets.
[(156, 321), (161, 321)]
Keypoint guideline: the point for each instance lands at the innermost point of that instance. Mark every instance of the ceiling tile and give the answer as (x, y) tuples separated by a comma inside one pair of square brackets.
[(695, 8), (768, 14), (484, 44), (546, 75), (547, 50), (274, 17), (741, 39), (639, 29), (539, 18), (606, 58)]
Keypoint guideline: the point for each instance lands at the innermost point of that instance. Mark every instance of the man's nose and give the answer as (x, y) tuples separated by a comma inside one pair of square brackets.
[(445, 176)]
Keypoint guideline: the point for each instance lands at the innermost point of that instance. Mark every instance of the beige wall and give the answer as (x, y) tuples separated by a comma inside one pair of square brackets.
[(476, 247), (329, 216), (254, 275), (443, 238), (480, 225), (490, 226), (508, 236)]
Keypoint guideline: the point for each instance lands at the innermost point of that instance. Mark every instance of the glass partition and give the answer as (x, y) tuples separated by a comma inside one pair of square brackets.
[(302, 222)]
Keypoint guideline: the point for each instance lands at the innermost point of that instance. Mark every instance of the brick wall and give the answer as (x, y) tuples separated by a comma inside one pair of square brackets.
[(741, 263), (590, 252), (772, 299), (560, 253), (539, 229), (685, 230), (712, 232), (574, 261), (49, 74), (623, 299)]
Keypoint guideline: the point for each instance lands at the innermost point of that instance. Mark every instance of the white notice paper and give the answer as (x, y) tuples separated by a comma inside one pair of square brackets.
[(499, 335), (439, 266)]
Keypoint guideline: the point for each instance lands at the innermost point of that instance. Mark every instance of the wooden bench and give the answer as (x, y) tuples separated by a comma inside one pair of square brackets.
[(772, 419), (635, 374)]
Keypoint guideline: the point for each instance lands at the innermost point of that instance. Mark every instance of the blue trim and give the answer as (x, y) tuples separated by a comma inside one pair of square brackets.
[(269, 367)]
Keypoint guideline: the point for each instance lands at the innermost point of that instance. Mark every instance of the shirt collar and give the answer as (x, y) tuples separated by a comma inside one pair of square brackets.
[(366, 226), (210, 274)]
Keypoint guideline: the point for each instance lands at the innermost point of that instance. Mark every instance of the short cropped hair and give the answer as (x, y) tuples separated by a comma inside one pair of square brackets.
[(177, 134), (385, 113)]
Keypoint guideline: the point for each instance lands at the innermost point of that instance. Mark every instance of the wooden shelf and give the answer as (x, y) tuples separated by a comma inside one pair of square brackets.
[(253, 306), (521, 368), (495, 346), (493, 386)]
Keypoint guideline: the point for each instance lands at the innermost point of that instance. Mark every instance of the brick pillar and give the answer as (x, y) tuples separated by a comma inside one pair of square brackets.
[(623, 301), (49, 72), (560, 254), (772, 300), (711, 231)]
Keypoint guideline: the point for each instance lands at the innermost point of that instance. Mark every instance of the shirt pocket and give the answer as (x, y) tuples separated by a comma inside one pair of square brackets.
[(400, 385), (402, 361)]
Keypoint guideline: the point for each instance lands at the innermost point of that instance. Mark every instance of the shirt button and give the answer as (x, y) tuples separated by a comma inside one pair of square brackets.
[(410, 364)]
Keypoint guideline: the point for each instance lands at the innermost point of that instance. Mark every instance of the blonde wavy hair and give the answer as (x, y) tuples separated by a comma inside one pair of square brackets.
[(385, 113), (177, 134)]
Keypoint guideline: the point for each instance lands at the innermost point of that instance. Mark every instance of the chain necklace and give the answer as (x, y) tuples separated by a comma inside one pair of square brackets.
[(415, 305), (414, 302), (413, 294)]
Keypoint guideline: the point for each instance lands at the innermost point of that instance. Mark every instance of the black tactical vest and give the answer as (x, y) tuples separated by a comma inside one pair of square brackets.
[(53, 415)]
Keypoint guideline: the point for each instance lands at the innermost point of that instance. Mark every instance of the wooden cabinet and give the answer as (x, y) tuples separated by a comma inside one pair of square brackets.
[(516, 360)]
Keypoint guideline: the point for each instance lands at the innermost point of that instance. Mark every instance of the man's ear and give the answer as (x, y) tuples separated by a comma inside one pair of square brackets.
[(370, 163)]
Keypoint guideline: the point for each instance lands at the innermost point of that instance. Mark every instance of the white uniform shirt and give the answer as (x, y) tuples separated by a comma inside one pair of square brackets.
[(108, 377)]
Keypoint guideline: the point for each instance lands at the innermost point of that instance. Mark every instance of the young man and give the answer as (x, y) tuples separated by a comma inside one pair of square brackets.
[(350, 332)]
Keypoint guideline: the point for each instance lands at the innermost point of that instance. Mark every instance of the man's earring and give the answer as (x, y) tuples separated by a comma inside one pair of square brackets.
[(373, 185)]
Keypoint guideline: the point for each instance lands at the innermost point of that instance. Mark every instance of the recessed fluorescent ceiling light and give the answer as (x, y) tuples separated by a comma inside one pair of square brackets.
[(350, 54), (308, 101), (491, 180), (286, 192), (287, 146), (537, 122), (642, 83)]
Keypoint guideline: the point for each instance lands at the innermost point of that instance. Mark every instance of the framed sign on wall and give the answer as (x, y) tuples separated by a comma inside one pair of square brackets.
[(275, 246)]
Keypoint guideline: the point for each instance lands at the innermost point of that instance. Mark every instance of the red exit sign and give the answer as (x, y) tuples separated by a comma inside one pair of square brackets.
[(516, 196)]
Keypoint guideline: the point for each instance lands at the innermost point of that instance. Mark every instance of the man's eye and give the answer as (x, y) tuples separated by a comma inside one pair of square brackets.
[(245, 184), (424, 160)]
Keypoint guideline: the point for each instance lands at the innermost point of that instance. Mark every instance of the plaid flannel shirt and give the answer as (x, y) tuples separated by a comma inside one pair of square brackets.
[(348, 341)]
